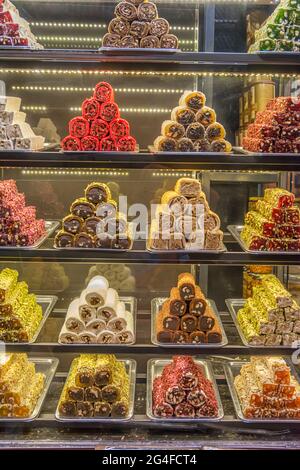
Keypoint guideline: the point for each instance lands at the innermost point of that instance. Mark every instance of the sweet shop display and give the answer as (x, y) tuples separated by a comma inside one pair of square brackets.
[(184, 221), (138, 25), (252, 277), (14, 30), (274, 225), (187, 317), (97, 387), (18, 223), (20, 386), (99, 316), (277, 129), (270, 317), (100, 128), (119, 275), (193, 127), (20, 314), (281, 31), (267, 389), (15, 133), (183, 391), (94, 222)]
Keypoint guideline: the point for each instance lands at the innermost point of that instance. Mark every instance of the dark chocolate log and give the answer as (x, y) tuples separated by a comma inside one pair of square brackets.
[(184, 410), (169, 41), (102, 377), (119, 26), (68, 408), (171, 322), (198, 304), (96, 193), (198, 337), (103, 240), (139, 29), (120, 409), (82, 208), (150, 42), (72, 224), (180, 337), (215, 334), (85, 409), (174, 395), (111, 40), (196, 398), (188, 380), (165, 336), (159, 27), (206, 323), (102, 409), (83, 240), (126, 10), (76, 393), (110, 393), (93, 394), (91, 224), (186, 286), (84, 377), (147, 11), (188, 323), (121, 242), (176, 305), (63, 239)]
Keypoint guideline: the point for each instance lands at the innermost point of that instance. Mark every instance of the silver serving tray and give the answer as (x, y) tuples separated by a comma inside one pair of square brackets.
[(236, 230), (154, 369), (232, 369), (151, 149), (50, 226), (46, 366), (152, 250), (136, 50), (130, 304), (155, 307), (266, 154), (233, 306), (131, 370), (47, 303)]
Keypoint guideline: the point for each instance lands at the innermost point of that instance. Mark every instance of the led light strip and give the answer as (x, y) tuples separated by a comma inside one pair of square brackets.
[(34, 108), (88, 39), (57, 24), (134, 110), (74, 172), (90, 89)]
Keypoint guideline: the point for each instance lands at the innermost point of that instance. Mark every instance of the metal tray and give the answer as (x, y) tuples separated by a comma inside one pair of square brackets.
[(47, 303), (130, 304), (232, 369), (155, 306), (233, 306), (266, 154), (235, 231), (136, 50), (151, 250), (131, 370), (151, 149), (50, 226), (48, 367), (154, 369)]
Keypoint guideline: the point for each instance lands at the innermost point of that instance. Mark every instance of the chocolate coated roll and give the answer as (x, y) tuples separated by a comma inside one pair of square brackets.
[(111, 40), (121, 241), (198, 337), (126, 10), (183, 115), (129, 41), (147, 11), (184, 410), (102, 409), (202, 145), (198, 304), (83, 240), (82, 208), (171, 322), (103, 240), (188, 380), (206, 323), (215, 131), (84, 409), (193, 99), (185, 145), (150, 42), (110, 393), (215, 334), (139, 29), (174, 395), (195, 131), (221, 145), (120, 409), (72, 224), (188, 323), (180, 337), (119, 26), (165, 336), (75, 393), (68, 408), (196, 398), (165, 144), (159, 27), (169, 41), (91, 224), (63, 239), (206, 116), (186, 285), (93, 394), (172, 129), (97, 193), (176, 304)]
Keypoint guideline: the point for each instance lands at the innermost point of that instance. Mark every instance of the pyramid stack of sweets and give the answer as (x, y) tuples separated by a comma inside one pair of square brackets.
[(275, 224), (94, 222), (20, 386), (100, 127), (193, 127), (18, 223), (137, 24), (277, 129), (20, 314), (281, 31), (270, 317), (15, 133), (184, 221), (120, 276), (186, 316), (14, 30), (97, 316), (183, 391), (266, 389), (97, 386)]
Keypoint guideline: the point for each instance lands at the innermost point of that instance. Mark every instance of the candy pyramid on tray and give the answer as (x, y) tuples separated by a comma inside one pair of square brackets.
[(274, 225), (94, 222), (193, 127), (137, 24), (267, 389), (186, 316), (15, 133), (97, 316), (14, 30), (277, 129), (270, 316), (183, 391), (281, 31), (184, 221), (18, 223), (100, 127)]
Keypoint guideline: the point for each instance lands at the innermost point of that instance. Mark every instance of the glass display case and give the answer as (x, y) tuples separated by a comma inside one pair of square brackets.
[(52, 82)]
